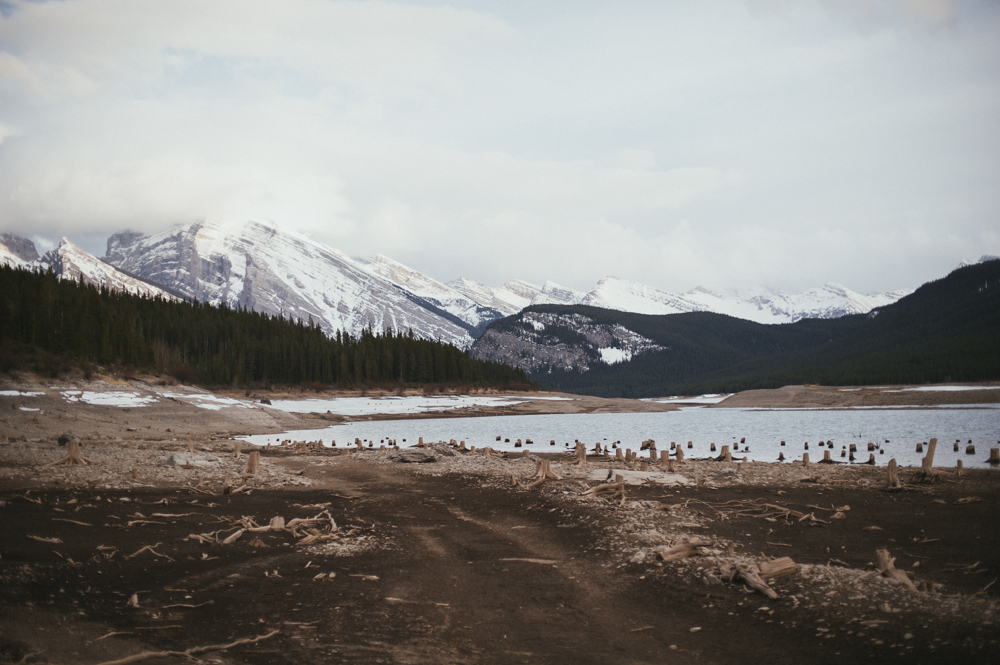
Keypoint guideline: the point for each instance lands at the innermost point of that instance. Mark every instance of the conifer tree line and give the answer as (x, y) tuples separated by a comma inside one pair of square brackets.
[(61, 319)]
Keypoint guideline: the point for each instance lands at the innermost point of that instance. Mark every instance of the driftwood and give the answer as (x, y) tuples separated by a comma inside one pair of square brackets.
[(751, 577), (189, 653), (615, 488), (73, 455), (684, 550), (778, 568), (888, 569)]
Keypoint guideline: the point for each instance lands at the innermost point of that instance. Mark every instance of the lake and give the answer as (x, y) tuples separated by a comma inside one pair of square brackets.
[(896, 430)]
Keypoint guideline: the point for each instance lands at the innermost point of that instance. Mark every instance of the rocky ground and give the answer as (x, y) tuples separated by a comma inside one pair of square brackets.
[(457, 560)]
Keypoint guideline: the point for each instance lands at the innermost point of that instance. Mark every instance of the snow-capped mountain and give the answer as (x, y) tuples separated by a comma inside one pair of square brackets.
[(260, 267), (9, 258), (828, 301), (433, 292), (508, 299), (71, 262)]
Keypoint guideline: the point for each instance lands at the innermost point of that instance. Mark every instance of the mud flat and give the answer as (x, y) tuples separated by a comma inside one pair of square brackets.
[(456, 560), (806, 397)]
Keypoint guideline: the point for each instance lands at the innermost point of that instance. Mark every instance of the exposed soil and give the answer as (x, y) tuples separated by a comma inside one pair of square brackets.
[(450, 562), (832, 396), (441, 567)]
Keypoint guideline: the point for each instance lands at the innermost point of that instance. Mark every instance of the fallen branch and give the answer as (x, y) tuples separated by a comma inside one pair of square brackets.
[(888, 569), (684, 550), (151, 549), (146, 655)]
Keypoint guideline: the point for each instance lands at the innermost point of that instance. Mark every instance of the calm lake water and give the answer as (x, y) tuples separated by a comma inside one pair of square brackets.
[(763, 430)]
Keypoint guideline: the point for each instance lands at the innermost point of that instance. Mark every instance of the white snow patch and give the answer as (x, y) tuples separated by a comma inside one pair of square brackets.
[(114, 398), (209, 401), (611, 355), (18, 393)]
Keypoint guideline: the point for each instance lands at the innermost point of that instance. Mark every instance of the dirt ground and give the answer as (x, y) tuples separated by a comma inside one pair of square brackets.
[(827, 397), (451, 562)]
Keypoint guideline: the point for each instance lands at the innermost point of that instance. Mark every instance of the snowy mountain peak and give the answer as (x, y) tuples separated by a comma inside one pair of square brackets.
[(258, 266)]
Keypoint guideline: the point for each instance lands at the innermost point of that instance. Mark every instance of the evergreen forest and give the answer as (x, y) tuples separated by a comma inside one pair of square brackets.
[(48, 324), (947, 330)]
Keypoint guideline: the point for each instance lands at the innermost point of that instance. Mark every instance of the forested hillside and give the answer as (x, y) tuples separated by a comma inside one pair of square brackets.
[(49, 324), (948, 330)]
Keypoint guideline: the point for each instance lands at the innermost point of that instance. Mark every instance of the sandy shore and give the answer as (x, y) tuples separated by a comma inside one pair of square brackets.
[(805, 397)]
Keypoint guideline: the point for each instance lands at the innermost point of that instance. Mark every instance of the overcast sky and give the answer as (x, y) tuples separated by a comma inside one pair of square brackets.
[(732, 143)]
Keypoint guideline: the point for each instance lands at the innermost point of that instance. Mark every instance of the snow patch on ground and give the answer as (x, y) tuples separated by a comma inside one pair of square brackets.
[(612, 355), (208, 401), (18, 393), (113, 398)]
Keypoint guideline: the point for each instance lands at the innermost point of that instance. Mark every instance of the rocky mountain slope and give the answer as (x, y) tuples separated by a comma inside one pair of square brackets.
[(71, 262), (260, 267)]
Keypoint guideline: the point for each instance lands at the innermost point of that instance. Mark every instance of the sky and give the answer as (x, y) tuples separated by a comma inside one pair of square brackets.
[(730, 144)]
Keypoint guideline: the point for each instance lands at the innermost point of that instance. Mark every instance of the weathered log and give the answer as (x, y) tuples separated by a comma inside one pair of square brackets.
[(751, 577), (778, 568), (893, 475), (886, 565), (73, 455), (617, 487), (683, 550), (253, 462)]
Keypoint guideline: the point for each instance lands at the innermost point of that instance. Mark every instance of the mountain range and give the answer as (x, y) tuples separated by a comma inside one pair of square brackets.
[(255, 265), (944, 331)]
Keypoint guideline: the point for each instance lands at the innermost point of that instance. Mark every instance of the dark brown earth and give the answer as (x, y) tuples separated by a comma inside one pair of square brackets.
[(459, 570)]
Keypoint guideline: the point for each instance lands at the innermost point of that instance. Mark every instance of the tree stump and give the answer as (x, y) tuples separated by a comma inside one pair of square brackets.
[(994, 456), (690, 444), (927, 463), (664, 457), (618, 455), (643, 466), (970, 449), (920, 447), (960, 471), (73, 456), (253, 462), (954, 448), (581, 454), (826, 458), (726, 456), (888, 569), (711, 447), (190, 446), (680, 454), (871, 446), (894, 475), (805, 459)]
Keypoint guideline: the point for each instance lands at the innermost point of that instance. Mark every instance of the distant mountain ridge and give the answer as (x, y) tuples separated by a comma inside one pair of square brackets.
[(259, 266), (944, 331)]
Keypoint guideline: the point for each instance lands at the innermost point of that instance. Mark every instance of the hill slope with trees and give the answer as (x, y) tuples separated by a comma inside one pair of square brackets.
[(947, 330), (50, 324)]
